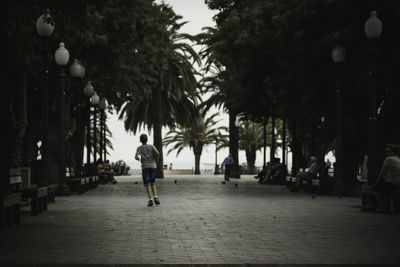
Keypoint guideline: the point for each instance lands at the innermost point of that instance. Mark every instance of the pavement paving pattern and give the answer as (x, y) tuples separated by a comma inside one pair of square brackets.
[(202, 221)]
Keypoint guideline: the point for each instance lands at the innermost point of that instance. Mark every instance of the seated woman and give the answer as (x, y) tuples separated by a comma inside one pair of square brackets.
[(388, 181)]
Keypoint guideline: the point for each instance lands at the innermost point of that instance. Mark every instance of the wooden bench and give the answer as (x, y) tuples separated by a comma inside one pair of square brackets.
[(15, 179), (102, 178), (290, 180), (79, 184), (93, 182), (370, 199), (324, 183), (10, 209), (38, 198)]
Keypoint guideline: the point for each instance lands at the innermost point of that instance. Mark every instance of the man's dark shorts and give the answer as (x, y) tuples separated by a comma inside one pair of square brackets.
[(149, 176)]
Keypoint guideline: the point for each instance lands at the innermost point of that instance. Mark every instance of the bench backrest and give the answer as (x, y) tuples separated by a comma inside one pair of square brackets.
[(15, 179)]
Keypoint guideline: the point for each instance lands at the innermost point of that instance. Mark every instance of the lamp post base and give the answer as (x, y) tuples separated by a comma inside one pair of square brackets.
[(63, 190)]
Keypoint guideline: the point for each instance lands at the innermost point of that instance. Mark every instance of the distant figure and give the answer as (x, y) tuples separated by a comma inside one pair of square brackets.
[(308, 175), (364, 168), (148, 155), (228, 161), (109, 172), (328, 163), (170, 166), (326, 168), (122, 168)]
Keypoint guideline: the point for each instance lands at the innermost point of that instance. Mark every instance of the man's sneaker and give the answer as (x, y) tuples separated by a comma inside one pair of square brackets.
[(151, 203), (157, 201)]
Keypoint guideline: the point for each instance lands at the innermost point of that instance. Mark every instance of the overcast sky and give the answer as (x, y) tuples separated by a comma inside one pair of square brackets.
[(198, 16)]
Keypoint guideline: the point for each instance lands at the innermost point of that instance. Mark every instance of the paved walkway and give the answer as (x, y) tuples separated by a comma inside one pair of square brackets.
[(201, 220)]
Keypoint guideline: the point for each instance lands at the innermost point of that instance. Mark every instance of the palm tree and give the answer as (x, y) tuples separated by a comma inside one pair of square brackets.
[(199, 133), (168, 101), (250, 140)]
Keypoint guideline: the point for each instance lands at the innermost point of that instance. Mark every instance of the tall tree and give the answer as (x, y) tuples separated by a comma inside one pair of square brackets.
[(199, 133), (166, 102)]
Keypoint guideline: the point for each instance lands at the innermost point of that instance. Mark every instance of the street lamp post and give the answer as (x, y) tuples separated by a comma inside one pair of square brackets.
[(284, 142), (44, 27), (95, 99), (104, 139), (235, 155), (216, 171), (61, 57), (339, 56), (88, 90), (373, 30), (77, 72), (102, 106), (265, 141)]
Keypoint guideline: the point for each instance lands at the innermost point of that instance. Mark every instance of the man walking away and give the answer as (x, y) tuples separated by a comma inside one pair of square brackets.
[(228, 162), (148, 155)]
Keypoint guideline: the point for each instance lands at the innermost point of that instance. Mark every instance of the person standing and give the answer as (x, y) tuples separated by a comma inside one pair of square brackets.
[(148, 156), (228, 162), (388, 180)]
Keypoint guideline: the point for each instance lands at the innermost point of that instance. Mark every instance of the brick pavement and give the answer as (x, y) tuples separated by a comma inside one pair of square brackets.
[(203, 221)]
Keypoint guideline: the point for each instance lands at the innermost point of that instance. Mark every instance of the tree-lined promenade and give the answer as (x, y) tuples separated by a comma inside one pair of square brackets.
[(201, 221), (311, 77)]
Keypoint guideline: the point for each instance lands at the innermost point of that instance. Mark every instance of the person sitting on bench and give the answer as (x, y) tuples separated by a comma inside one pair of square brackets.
[(109, 172), (308, 175), (262, 176)]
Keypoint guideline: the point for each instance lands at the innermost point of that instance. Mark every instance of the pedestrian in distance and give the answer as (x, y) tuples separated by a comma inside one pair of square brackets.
[(228, 162), (148, 155)]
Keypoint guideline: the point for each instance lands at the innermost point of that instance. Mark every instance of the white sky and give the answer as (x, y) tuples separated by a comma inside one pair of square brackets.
[(198, 16)]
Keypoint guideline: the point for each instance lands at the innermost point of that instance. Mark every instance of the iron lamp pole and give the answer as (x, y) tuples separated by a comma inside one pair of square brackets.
[(339, 56), (61, 57), (77, 72), (95, 99), (88, 90), (373, 30)]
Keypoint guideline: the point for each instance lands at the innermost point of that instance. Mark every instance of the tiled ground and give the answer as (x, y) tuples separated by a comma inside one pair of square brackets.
[(201, 220)]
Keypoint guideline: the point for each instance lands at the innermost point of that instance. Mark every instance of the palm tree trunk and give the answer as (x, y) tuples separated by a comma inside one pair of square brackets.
[(197, 154), (157, 131), (251, 159), (197, 163)]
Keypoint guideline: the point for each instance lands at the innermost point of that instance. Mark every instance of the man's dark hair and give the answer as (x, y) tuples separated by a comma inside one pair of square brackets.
[(143, 138)]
